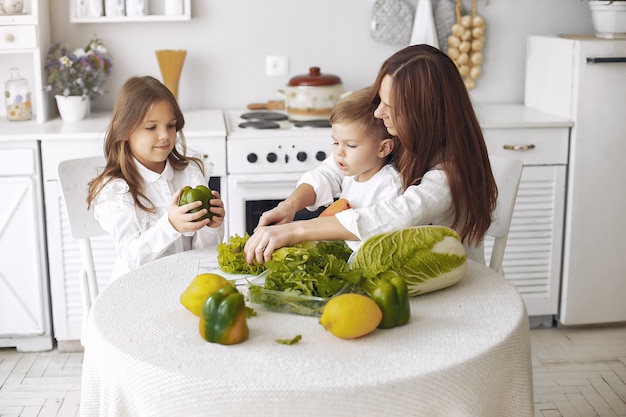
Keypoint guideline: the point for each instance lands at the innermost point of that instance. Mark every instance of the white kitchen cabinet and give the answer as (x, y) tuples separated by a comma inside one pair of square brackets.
[(86, 138), (24, 298), (532, 259), (24, 39), (158, 13)]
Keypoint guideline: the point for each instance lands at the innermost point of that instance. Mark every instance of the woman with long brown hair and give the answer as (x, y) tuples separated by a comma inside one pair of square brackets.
[(440, 153)]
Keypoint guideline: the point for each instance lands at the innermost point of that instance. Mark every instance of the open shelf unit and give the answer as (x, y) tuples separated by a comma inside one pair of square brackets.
[(157, 14)]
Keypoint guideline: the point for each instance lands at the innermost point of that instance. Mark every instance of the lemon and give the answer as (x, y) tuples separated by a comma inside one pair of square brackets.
[(198, 291), (349, 316)]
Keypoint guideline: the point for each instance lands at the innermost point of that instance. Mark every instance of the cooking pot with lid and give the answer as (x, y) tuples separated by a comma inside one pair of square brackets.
[(312, 96)]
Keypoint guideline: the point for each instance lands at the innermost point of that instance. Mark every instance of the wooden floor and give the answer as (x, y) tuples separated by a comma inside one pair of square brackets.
[(577, 372)]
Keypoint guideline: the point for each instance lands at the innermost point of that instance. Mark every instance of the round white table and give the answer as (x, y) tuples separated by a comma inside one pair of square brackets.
[(465, 352)]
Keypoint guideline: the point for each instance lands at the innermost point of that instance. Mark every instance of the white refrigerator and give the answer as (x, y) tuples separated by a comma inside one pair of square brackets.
[(583, 78)]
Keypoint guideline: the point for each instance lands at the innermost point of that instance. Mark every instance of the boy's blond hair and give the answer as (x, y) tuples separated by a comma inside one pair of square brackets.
[(358, 108)]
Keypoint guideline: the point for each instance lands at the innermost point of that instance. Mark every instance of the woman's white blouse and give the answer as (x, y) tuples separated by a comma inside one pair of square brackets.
[(140, 236), (430, 202)]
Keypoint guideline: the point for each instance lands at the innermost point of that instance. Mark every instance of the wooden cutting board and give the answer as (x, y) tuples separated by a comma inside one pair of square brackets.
[(269, 105)]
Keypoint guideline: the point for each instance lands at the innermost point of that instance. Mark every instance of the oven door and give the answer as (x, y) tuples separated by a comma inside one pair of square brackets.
[(251, 195)]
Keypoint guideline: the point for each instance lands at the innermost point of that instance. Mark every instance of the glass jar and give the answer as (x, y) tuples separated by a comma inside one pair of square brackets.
[(17, 97)]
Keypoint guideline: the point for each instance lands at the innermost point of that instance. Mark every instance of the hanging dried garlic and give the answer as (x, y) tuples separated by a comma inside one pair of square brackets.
[(466, 42)]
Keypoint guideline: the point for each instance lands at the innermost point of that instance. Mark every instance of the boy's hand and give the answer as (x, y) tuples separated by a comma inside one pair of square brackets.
[(282, 213)]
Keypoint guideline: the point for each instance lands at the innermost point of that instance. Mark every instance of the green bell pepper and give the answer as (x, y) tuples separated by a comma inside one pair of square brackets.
[(200, 193), (392, 296), (223, 319)]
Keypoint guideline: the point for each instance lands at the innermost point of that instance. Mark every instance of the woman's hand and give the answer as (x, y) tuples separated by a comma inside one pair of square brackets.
[(266, 239), (182, 220)]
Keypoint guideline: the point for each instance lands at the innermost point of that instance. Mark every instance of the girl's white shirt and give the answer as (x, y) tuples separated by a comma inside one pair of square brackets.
[(430, 202), (140, 236)]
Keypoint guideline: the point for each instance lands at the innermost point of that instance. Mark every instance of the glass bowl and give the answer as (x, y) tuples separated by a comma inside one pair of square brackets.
[(288, 302)]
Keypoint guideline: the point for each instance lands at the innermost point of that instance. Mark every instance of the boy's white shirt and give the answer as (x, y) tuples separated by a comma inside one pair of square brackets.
[(386, 184)]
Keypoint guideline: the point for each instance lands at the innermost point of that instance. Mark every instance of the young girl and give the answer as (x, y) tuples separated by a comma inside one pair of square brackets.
[(440, 153), (135, 198)]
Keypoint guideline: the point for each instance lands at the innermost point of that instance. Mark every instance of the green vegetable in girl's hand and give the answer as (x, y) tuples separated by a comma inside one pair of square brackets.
[(200, 193), (429, 258)]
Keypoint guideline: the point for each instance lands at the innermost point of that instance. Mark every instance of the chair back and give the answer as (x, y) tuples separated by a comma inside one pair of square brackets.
[(74, 176), (507, 173)]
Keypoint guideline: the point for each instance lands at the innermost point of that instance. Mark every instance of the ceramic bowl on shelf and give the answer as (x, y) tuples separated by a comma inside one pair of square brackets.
[(609, 18), (11, 6)]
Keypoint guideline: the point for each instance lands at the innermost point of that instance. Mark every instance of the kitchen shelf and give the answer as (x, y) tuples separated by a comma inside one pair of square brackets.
[(157, 17), (21, 38)]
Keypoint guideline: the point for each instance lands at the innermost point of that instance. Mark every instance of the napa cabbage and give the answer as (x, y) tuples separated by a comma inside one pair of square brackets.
[(429, 258)]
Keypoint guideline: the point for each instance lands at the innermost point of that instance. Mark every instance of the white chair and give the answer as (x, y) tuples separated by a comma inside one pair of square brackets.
[(507, 173), (74, 176)]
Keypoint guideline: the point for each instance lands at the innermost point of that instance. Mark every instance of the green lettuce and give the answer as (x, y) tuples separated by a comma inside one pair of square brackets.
[(318, 269), (230, 257), (429, 258)]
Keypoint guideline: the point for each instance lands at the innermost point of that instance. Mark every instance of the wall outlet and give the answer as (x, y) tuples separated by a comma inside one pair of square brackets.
[(276, 66)]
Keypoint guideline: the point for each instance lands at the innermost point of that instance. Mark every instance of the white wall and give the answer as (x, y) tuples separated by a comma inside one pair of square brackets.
[(227, 41)]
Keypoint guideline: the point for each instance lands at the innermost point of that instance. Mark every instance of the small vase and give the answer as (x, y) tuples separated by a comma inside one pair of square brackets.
[(17, 97), (171, 64), (72, 108)]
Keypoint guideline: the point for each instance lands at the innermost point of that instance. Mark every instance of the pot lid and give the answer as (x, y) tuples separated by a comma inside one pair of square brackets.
[(314, 79)]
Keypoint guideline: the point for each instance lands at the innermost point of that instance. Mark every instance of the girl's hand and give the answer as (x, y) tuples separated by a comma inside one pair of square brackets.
[(182, 220), (217, 208)]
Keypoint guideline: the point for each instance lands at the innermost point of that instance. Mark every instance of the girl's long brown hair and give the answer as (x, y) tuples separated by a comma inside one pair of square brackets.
[(132, 103), (437, 127)]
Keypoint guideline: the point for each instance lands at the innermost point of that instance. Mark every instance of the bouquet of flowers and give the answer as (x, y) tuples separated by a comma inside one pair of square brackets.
[(80, 73)]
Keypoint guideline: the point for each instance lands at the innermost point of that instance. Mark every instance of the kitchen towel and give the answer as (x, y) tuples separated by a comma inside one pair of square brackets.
[(445, 17), (391, 22), (424, 30)]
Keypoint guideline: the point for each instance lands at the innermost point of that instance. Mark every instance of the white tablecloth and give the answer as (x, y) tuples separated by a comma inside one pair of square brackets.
[(465, 352)]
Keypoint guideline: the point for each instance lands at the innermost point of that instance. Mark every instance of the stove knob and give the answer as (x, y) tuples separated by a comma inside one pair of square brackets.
[(320, 155), (301, 156), (252, 158), (271, 157)]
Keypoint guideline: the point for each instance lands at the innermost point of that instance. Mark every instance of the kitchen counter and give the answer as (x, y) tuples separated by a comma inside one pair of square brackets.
[(198, 123), (512, 116), (201, 123)]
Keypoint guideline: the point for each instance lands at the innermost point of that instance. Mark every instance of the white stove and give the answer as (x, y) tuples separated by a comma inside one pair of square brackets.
[(286, 148), (264, 164)]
